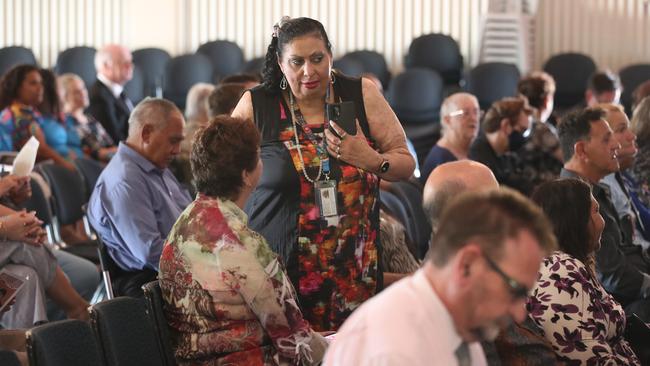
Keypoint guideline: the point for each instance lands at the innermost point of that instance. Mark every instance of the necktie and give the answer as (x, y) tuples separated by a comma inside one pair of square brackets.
[(126, 101), (462, 354)]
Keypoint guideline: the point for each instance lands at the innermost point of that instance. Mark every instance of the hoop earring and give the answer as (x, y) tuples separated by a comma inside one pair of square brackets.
[(283, 83), (333, 77)]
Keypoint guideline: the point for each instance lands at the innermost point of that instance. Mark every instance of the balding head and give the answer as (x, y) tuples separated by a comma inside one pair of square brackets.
[(115, 63), (450, 179)]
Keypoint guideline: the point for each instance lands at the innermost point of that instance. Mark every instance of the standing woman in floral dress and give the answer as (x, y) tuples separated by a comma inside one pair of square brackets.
[(317, 201)]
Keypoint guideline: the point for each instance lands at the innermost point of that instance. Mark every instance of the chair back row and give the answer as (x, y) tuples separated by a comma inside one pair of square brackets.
[(122, 331)]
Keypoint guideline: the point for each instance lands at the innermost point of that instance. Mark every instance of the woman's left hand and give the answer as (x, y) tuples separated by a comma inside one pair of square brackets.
[(352, 149)]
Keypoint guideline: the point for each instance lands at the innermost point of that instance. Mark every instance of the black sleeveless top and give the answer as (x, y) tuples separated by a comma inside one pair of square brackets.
[(274, 206)]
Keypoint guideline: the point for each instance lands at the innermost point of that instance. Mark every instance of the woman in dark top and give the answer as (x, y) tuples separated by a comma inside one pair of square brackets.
[(317, 199)]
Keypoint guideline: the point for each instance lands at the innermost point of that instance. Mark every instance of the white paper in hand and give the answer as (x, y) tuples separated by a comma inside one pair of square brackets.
[(24, 161)]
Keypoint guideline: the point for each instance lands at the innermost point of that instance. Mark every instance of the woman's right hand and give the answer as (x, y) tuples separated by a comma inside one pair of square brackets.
[(9, 182), (24, 227)]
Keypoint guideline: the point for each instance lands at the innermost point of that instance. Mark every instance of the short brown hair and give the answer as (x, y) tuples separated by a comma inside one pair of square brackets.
[(224, 98), (536, 87), (506, 108), (221, 152), (490, 218)]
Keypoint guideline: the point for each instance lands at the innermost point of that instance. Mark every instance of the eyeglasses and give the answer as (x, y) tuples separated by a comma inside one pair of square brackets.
[(467, 112), (517, 290)]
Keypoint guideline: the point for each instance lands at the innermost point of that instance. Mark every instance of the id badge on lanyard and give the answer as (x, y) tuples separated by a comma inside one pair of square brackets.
[(326, 193)]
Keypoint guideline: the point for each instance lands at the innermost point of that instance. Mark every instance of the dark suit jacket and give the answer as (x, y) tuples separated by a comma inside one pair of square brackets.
[(111, 112)]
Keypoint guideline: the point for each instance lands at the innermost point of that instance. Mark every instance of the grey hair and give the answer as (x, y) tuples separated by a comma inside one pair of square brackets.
[(102, 56), (64, 82), (442, 194), (196, 105), (153, 111), (640, 122)]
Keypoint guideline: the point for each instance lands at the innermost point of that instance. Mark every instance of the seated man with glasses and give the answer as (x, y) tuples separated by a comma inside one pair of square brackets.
[(505, 130), (483, 261), (460, 117)]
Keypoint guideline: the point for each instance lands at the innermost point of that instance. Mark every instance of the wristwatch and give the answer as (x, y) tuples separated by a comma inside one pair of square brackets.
[(385, 165)]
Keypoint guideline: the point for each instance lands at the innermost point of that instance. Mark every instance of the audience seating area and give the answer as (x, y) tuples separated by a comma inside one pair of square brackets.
[(414, 94), (125, 330)]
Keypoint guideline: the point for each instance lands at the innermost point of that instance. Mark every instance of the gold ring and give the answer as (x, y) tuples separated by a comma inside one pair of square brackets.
[(338, 156), (338, 149)]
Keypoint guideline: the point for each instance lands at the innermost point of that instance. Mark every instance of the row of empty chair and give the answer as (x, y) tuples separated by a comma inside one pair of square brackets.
[(122, 331)]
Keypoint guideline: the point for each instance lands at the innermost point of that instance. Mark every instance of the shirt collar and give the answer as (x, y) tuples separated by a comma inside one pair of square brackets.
[(136, 157), (116, 89), (432, 302)]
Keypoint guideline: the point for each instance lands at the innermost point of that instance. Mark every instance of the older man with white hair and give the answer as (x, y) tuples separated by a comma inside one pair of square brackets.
[(137, 199), (108, 102)]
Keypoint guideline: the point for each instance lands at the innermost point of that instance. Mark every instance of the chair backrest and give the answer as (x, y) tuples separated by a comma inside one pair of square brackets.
[(63, 343), (349, 66), (80, 61), (416, 95), (39, 203), (492, 81), (108, 267), (67, 192), (226, 57), (418, 225), (631, 77), (437, 52), (8, 358), (135, 87), (181, 73), (90, 170), (571, 72), (373, 62), (15, 55), (124, 334), (395, 208), (152, 62), (254, 66), (154, 301)]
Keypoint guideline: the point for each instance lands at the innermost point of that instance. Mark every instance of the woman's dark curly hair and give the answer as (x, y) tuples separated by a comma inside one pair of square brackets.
[(51, 104), (285, 32), (221, 151), (567, 204), (11, 81)]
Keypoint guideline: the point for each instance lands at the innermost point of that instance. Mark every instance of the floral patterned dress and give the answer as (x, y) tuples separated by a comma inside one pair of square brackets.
[(584, 324), (16, 124), (337, 265), (227, 298), (334, 268)]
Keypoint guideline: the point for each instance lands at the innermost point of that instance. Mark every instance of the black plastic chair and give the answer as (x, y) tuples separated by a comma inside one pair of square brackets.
[(571, 72), (226, 57), (418, 225), (394, 207), (80, 61), (349, 66), (372, 62), (39, 204), (15, 55), (254, 66), (135, 87), (631, 77), (416, 95), (155, 310), (124, 334), (492, 81), (68, 200), (152, 62), (90, 170), (181, 73), (437, 52), (62, 343), (8, 358)]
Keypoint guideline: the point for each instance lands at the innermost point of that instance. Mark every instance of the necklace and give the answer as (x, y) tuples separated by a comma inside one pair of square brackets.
[(323, 159)]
